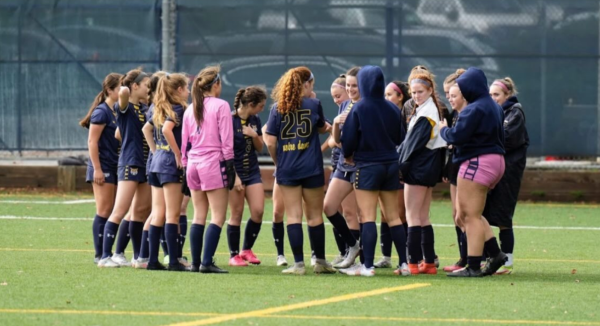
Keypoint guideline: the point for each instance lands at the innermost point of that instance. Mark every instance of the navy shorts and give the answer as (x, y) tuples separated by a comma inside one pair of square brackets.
[(110, 175), (251, 180), (132, 173), (346, 176), (159, 179), (316, 181), (385, 177)]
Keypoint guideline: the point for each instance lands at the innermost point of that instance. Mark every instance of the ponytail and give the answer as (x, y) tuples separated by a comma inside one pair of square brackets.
[(288, 90), (111, 81), (237, 99), (205, 79), (166, 97)]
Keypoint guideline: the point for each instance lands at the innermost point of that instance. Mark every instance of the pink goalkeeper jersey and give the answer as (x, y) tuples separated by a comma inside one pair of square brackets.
[(211, 140)]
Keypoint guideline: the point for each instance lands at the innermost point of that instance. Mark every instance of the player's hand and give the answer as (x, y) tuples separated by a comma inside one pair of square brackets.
[(443, 123), (99, 177), (350, 160), (178, 161), (340, 119), (248, 131), (445, 180), (238, 184)]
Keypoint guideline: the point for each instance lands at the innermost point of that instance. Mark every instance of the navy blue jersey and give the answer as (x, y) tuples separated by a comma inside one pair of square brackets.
[(246, 161), (108, 145), (298, 146), (341, 162), (163, 160), (134, 149)]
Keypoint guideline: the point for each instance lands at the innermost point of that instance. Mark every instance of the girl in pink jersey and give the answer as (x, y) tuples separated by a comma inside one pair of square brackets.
[(208, 127)]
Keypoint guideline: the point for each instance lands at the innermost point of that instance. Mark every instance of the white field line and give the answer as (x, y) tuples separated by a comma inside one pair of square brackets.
[(48, 202), (529, 227)]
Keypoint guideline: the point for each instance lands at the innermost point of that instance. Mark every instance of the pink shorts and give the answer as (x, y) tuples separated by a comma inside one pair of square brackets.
[(205, 176), (486, 170)]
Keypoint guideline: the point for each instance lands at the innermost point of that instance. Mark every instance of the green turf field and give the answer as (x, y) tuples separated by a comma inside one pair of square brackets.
[(47, 278)]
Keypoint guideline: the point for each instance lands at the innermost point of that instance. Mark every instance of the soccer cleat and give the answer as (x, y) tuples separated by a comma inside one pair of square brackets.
[(338, 259), (121, 260), (384, 262), (353, 252), (212, 268), (297, 269), (166, 259), (354, 270), (403, 270), (436, 261), (493, 264), (178, 268), (156, 267), (466, 272), (133, 260), (195, 269), (427, 269), (323, 267), (97, 260), (107, 263), (369, 272), (313, 261), (237, 261), (281, 261), (458, 265), (141, 263), (250, 257), (183, 261), (504, 270)]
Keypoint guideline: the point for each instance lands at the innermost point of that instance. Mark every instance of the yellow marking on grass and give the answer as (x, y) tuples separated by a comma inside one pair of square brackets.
[(46, 250), (106, 312), (302, 305)]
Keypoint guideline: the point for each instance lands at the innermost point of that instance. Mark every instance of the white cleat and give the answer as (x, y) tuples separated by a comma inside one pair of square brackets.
[(121, 260), (384, 262), (353, 252), (141, 263), (403, 270), (338, 259), (323, 267), (296, 269), (354, 270), (313, 261), (281, 261), (369, 272), (108, 263)]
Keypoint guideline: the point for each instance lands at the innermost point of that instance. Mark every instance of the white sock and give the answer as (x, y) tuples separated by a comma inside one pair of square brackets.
[(509, 262)]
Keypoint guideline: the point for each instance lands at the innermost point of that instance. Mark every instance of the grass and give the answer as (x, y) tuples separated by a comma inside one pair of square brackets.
[(47, 278)]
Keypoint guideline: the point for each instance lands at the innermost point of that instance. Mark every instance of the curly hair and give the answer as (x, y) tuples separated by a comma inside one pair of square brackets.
[(288, 90)]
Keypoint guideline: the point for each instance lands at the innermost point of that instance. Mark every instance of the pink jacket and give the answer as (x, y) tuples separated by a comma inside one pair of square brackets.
[(214, 138)]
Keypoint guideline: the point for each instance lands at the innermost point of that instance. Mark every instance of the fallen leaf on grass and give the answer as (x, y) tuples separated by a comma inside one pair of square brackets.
[(573, 271), (576, 281), (292, 296), (4, 284)]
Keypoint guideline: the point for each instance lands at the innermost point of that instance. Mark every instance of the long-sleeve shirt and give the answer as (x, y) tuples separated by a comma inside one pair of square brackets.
[(213, 138)]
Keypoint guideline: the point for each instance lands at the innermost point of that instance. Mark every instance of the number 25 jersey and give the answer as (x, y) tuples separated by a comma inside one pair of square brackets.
[(298, 146)]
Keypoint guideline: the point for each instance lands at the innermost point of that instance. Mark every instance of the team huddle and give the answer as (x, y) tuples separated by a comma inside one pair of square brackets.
[(151, 152)]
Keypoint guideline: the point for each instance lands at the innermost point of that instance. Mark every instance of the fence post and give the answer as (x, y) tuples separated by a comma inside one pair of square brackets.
[(168, 35), (19, 98), (544, 51), (389, 40)]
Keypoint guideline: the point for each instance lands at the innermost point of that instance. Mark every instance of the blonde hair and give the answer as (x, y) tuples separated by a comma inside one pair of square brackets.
[(166, 97), (204, 81), (510, 86), (288, 90), (451, 79)]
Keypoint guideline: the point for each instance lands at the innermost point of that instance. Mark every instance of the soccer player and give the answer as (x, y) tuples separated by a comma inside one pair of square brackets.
[(247, 136), (101, 120)]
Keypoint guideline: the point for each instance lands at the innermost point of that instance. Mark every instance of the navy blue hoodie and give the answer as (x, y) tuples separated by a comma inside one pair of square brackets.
[(479, 129), (374, 128)]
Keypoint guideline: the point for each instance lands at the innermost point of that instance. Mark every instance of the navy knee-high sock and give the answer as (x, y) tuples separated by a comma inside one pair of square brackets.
[(398, 236), (491, 247), (213, 233), (459, 239), (296, 237), (123, 237), (463, 249), (251, 234), (196, 238), (415, 253), (339, 223), (386, 240), (110, 233), (98, 233), (507, 241), (163, 243), (405, 226), (317, 240), (361, 255), (172, 235), (339, 242), (233, 239), (183, 228), (135, 231), (144, 249), (427, 242), (369, 241), (278, 235), (154, 243)]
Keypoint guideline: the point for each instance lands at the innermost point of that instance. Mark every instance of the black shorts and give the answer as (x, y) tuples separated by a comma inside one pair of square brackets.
[(308, 183), (132, 173), (251, 180), (110, 175), (346, 176), (385, 177), (160, 179)]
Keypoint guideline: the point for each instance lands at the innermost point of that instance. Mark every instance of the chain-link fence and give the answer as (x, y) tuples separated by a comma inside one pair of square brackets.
[(59, 51)]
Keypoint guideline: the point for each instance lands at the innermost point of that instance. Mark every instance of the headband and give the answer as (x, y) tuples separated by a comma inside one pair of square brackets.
[(396, 88), (311, 77), (139, 78), (420, 81), (501, 84), (214, 81), (338, 85)]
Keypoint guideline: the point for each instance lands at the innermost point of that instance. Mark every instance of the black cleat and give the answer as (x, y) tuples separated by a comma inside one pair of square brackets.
[(494, 264), (466, 272), (156, 267), (212, 268), (195, 269), (178, 268)]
